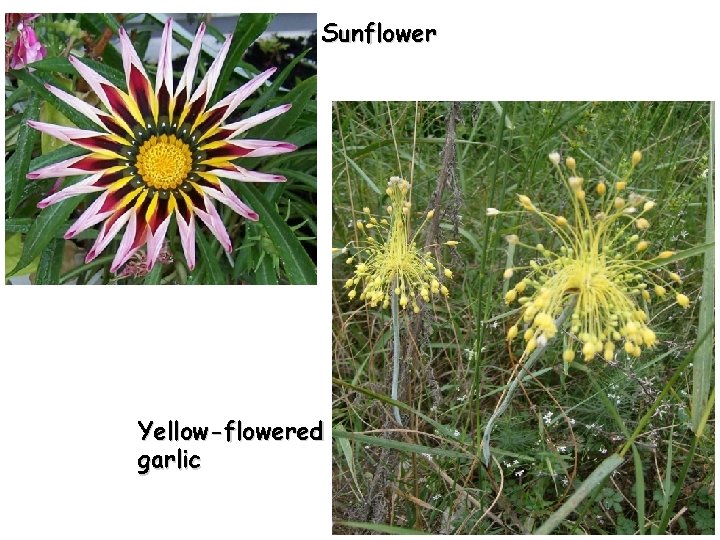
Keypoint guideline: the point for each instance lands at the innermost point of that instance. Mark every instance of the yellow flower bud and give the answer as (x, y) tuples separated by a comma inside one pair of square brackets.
[(682, 300), (448, 273), (510, 296), (570, 163), (675, 277), (430, 214), (642, 245), (649, 205), (507, 274), (359, 224), (642, 224), (366, 209), (618, 203), (512, 239), (568, 355), (666, 254), (561, 221), (601, 189), (352, 294), (636, 157), (444, 290), (452, 243), (512, 332), (620, 185), (660, 290)]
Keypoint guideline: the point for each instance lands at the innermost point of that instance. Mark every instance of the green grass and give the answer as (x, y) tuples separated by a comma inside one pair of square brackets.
[(592, 449)]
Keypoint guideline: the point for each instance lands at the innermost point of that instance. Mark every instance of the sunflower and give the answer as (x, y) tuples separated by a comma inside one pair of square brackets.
[(603, 259), (158, 152), (389, 260)]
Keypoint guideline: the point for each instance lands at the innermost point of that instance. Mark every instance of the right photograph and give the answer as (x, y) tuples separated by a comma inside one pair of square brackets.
[(523, 315)]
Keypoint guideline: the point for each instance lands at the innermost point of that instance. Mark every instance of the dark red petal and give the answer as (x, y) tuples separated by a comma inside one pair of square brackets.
[(163, 101), (92, 163), (196, 108), (212, 120), (222, 134), (118, 105), (101, 142), (227, 150), (107, 179), (140, 91), (113, 126)]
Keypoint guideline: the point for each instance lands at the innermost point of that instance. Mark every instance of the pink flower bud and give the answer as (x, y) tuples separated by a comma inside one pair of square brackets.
[(27, 48)]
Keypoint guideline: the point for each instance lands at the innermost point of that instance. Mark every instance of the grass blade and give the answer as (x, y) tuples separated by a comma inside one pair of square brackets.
[(51, 260), (597, 477), (210, 261)]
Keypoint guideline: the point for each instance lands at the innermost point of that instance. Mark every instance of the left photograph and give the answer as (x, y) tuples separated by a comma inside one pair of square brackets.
[(160, 149)]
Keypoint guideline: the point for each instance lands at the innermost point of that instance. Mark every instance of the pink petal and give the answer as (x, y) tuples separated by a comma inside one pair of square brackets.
[(234, 99), (128, 245), (212, 220), (89, 217), (207, 85), (164, 69), (155, 242), (187, 237), (228, 198), (260, 148), (77, 103), (61, 168), (84, 186), (129, 56), (191, 63), (64, 133), (244, 175), (243, 125), (94, 79), (104, 238)]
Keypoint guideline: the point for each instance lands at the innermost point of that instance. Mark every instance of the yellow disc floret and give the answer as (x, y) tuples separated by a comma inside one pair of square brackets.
[(164, 161)]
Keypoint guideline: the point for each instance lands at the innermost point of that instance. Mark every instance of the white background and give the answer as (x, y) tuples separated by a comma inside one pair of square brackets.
[(81, 365)]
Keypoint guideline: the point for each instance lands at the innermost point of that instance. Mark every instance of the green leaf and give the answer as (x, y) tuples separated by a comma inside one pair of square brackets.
[(13, 251), (210, 262), (297, 263), (596, 478), (45, 228), (153, 278), (704, 359), (400, 445), (277, 81), (379, 527), (51, 260), (25, 144), (248, 28), (298, 97), (265, 273)]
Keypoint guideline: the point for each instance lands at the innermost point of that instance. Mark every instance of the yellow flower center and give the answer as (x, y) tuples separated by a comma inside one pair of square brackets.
[(164, 161)]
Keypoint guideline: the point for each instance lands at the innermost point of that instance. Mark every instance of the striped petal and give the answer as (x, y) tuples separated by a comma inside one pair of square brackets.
[(76, 103), (74, 166), (93, 78), (227, 150), (129, 56), (107, 232), (155, 242), (212, 220), (82, 187), (92, 140), (228, 198), (188, 75), (244, 175), (233, 100), (206, 87), (164, 77), (243, 125), (133, 239), (187, 237)]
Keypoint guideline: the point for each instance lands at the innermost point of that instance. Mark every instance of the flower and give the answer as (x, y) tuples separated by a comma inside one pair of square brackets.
[(389, 261), (27, 48), (158, 152), (602, 261)]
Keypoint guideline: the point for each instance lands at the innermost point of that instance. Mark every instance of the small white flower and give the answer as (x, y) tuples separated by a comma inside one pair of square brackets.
[(564, 481), (492, 212), (562, 449), (554, 158), (603, 450), (456, 433), (520, 473)]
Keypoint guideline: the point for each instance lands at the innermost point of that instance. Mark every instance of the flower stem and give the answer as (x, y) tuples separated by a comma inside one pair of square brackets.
[(512, 387), (396, 350)]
